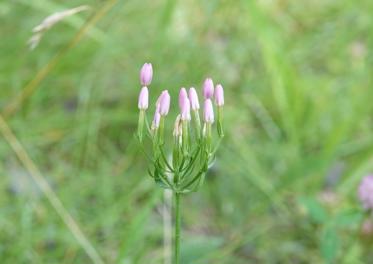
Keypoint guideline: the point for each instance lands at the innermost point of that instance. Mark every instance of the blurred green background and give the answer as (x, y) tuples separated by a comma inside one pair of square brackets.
[(297, 78)]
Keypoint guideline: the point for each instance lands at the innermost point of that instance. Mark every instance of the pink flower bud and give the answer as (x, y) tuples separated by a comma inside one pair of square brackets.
[(184, 104), (208, 88), (366, 192), (193, 97), (208, 112), (164, 103), (143, 98), (185, 109), (219, 95), (156, 119), (182, 96), (146, 74)]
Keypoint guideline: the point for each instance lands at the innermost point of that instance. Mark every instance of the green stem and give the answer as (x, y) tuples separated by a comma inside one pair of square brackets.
[(177, 229)]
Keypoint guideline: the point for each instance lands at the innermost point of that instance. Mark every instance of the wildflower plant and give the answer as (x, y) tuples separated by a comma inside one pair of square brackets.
[(192, 142)]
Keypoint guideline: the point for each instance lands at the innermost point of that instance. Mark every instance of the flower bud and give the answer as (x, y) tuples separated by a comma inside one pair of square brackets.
[(208, 88), (193, 98), (208, 112), (365, 192), (219, 95), (185, 110), (163, 103), (182, 95), (184, 105), (143, 98), (156, 120), (146, 74)]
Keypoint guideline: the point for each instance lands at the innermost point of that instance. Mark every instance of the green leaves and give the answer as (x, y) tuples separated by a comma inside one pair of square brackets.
[(333, 226), (329, 244), (314, 209), (183, 177)]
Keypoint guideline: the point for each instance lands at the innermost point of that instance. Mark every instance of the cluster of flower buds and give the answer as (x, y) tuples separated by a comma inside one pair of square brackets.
[(366, 192), (193, 148)]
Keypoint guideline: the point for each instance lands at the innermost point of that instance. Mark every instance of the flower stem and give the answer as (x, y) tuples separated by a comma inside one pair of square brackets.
[(177, 229)]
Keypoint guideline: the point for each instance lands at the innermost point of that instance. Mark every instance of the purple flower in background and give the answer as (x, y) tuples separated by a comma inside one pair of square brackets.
[(193, 97), (366, 192), (208, 112), (208, 88), (163, 104), (219, 95), (143, 98), (146, 74)]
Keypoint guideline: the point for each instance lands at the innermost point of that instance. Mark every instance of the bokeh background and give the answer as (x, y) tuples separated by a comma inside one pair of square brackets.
[(298, 115)]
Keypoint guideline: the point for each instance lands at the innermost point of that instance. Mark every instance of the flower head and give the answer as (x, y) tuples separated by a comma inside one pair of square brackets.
[(193, 98), (365, 192), (219, 95), (163, 103), (146, 74), (208, 88), (208, 112), (143, 98)]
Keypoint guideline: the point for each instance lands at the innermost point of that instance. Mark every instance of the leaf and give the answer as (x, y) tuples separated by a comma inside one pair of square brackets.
[(329, 243), (353, 255), (314, 209), (349, 218)]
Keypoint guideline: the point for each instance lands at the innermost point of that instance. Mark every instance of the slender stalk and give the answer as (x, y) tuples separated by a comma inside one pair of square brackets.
[(177, 229)]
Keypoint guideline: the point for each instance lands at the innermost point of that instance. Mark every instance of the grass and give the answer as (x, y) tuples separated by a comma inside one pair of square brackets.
[(297, 77)]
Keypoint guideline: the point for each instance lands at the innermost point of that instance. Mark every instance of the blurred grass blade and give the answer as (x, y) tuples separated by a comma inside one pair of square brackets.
[(288, 98), (48, 192), (50, 21), (48, 7), (30, 88)]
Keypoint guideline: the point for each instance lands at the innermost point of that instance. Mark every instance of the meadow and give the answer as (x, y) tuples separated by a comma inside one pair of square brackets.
[(298, 130)]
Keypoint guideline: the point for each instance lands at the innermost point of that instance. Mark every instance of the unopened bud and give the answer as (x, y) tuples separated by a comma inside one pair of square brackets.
[(163, 103), (208, 112), (143, 98), (156, 119), (184, 105), (219, 95), (146, 74), (193, 98), (208, 88)]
